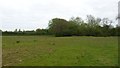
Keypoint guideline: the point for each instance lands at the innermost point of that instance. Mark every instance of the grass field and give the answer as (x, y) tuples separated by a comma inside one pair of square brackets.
[(59, 51)]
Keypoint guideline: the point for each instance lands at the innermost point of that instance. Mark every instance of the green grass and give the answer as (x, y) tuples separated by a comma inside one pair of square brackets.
[(59, 51)]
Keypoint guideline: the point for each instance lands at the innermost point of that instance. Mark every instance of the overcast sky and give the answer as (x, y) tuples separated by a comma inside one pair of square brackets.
[(33, 14)]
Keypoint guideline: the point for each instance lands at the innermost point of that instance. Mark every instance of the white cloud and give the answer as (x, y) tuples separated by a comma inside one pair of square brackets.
[(32, 14)]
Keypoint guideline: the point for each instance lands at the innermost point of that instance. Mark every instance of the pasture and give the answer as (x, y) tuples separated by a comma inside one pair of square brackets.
[(59, 51)]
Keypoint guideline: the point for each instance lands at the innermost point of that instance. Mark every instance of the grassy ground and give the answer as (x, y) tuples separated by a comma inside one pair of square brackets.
[(59, 51)]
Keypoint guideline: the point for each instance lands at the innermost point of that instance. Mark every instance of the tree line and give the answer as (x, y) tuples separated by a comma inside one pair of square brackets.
[(75, 26)]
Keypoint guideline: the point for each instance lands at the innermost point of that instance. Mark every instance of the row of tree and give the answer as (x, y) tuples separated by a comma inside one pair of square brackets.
[(76, 26), (26, 33)]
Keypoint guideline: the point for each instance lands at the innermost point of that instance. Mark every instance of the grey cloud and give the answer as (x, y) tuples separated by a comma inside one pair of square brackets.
[(32, 14)]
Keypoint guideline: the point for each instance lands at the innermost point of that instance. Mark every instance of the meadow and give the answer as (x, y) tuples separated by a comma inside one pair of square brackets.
[(59, 51)]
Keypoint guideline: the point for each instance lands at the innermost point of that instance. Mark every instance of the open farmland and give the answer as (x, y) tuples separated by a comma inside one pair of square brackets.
[(59, 51)]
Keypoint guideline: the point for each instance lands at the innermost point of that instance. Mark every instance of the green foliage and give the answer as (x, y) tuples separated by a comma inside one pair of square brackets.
[(42, 32), (78, 27), (59, 27)]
